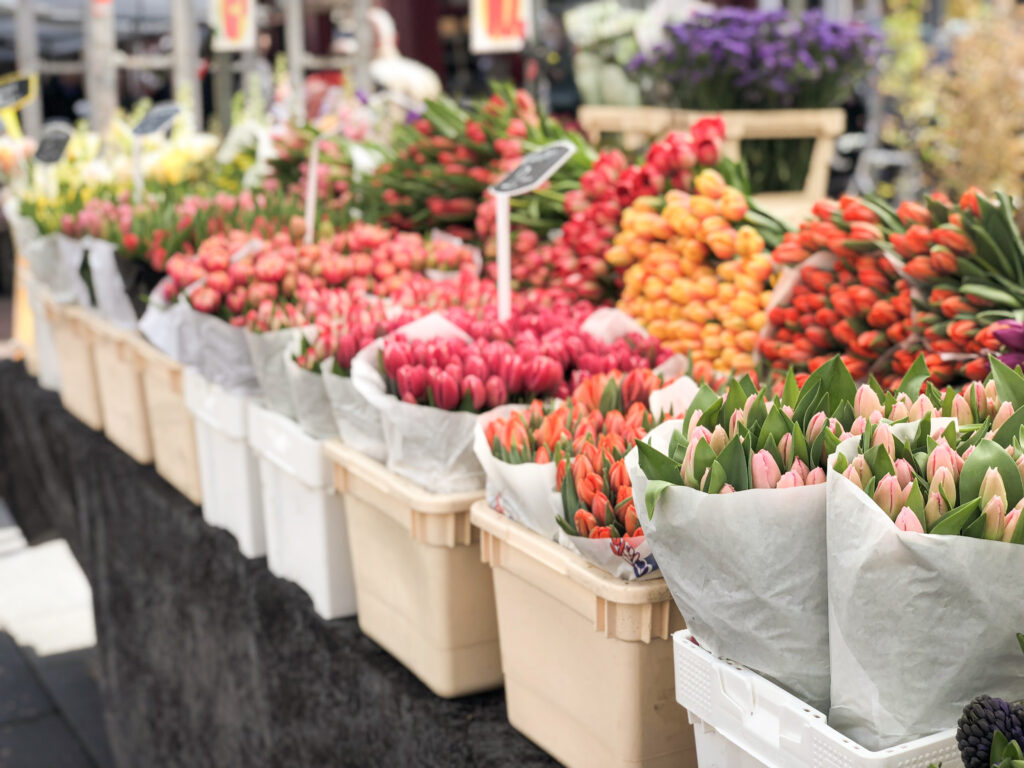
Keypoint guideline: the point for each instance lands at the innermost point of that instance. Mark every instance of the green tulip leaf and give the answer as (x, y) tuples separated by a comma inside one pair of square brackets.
[(914, 378), (975, 529), (841, 463), (954, 521), (1009, 383), (735, 399), (790, 391), (776, 424), (655, 489), (703, 457), (716, 478), (611, 397), (800, 450), (734, 461), (988, 454), (656, 465)]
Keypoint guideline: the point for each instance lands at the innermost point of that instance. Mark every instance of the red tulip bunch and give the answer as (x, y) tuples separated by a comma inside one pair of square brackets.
[(502, 367)]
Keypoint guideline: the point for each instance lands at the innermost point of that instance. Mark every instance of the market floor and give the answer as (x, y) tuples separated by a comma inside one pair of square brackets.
[(51, 715)]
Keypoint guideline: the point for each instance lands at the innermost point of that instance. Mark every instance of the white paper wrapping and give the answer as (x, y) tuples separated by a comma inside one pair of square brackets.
[(164, 324), (919, 624), (673, 399), (218, 350), (312, 408), (520, 491), (430, 446), (358, 423), (266, 352), (629, 558), (609, 324), (747, 571), (23, 229), (55, 261), (107, 284)]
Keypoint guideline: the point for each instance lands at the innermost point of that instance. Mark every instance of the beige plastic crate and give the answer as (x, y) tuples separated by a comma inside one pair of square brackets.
[(587, 657), (421, 591), (119, 363), (73, 338), (23, 329), (171, 425)]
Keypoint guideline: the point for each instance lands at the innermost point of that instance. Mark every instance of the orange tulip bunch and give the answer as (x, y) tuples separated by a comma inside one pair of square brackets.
[(695, 276), (587, 437)]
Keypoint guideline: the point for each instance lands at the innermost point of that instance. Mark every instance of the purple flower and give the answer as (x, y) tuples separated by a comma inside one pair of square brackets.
[(1011, 334)]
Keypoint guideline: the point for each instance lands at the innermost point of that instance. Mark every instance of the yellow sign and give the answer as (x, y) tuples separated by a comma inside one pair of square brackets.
[(16, 90), (234, 25), (499, 26)]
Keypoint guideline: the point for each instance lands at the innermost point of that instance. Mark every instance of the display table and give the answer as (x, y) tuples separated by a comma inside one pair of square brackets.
[(206, 659)]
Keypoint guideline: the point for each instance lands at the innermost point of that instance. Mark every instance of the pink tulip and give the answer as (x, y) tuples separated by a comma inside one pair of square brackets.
[(1011, 522), (935, 508), (801, 469), (474, 387), (883, 436), (542, 376), (995, 518), (1005, 412), (718, 440), (497, 394), (862, 470), (907, 521), (858, 426), (412, 381), (786, 450), (727, 489), (974, 393), (921, 407), (992, 486), (764, 471), (815, 425), (445, 391), (396, 354), (735, 420), (889, 496), (961, 410), (904, 472), (865, 402), (943, 456), (899, 411), (815, 477), (790, 480)]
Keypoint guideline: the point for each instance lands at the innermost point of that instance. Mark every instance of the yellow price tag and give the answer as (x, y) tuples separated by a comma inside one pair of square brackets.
[(16, 90)]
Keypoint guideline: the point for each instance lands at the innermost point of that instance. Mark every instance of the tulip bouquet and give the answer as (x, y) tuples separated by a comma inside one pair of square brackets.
[(931, 510), (734, 505), (694, 275)]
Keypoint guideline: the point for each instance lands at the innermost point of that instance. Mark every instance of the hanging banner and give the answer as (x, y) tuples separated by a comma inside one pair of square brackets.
[(16, 90), (499, 26), (234, 25)]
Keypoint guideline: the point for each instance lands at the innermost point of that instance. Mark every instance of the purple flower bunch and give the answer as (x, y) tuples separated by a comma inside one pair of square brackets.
[(733, 58)]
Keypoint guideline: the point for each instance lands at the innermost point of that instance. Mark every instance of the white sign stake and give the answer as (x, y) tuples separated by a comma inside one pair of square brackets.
[(312, 172), (534, 169)]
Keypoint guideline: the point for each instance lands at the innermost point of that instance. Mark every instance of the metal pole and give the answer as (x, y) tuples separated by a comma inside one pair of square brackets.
[(26, 44), (295, 49), (100, 64), (187, 89), (364, 45)]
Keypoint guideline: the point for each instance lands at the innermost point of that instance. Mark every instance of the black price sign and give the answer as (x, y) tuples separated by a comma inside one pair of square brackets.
[(16, 91), (52, 145), (535, 168), (157, 119)]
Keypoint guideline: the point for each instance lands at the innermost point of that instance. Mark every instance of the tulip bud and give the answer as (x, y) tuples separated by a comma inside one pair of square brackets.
[(497, 394), (935, 508), (601, 508), (943, 483), (1020, 467), (1011, 521), (801, 469), (632, 522), (991, 391), (719, 438), (883, 436), (961, 410), (764, 471), (860, 466), (889, 496), (735, 420), (727, 488), (906, 520), (991, 487), (585, 522), (904, 472), (790, 480), (974, 394), (1005, 412), (815, 477), (920, 408), (943, 456), (445, 391), (858, 426), (994, 513), (815, 425), (786, 450), (477, 392), (899, 412), (865, 402), (747, 405)]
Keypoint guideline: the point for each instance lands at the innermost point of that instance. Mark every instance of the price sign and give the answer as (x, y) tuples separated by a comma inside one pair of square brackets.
[(534, 169), (53, 143), (234, 25), (499, 26), (157, 119), (16, 90)]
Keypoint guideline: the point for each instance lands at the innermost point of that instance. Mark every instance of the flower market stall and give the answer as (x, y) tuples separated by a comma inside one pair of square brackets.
[(465, 456)]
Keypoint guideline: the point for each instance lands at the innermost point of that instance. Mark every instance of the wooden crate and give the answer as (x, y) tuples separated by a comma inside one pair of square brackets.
[(639, 125), (74, 337)]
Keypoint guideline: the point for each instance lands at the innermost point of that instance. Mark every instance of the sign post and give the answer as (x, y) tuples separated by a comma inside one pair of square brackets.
[(534, 169), (158, 118), (51, 149)]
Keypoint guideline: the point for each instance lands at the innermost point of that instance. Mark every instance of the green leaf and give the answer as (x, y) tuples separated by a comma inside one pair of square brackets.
[(880, 462), (611, 397), (989, 454), (734, 401), (776, 424), (975, 529), (758, 414), (704, 398), (914, 378), (835, 380), (989, 251), (916, 503), (800, 445), (991, 293), (677, 446), (954, 521), (656, 465), (716, 479), (703, 457), (747, 384), (998, 747), (655, 489), (844, 415), (841, 463), (938, 211), (808, 403), (790, 392), (1020, 641), (1009, 383), (734, 461)]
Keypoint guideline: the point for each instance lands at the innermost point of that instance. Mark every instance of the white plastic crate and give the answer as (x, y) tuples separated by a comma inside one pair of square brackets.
[(742, 720), (228, 471), (46, 359), (306, 531)]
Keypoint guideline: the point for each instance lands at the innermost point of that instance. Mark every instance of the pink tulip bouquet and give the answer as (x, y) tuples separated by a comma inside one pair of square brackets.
[(922, 526)]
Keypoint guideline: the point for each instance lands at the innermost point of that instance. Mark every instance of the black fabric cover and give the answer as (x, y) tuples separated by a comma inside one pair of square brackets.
[(206, 659), (139, 281)]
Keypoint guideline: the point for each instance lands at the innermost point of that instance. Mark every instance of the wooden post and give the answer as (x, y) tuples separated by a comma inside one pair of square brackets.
[(26, 49), (100, 36), (295, 50), (187, 89)]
